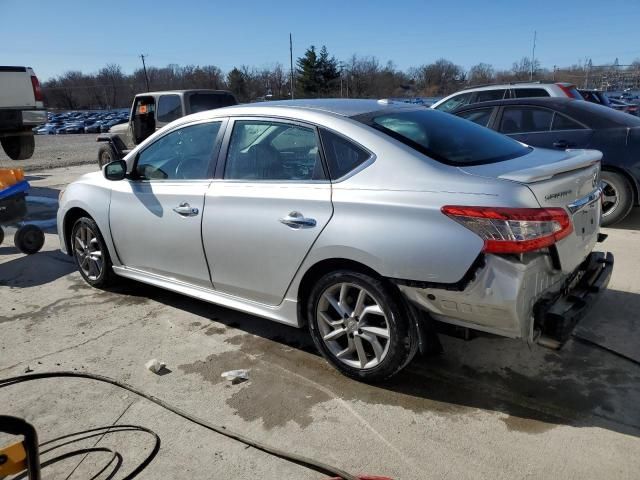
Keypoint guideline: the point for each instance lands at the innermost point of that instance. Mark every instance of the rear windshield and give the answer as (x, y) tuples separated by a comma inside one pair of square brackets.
[(199, 102), (446, 138)]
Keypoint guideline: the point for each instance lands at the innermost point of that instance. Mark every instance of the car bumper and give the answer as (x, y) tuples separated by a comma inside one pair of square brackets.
[(16, 119), (527, 299)]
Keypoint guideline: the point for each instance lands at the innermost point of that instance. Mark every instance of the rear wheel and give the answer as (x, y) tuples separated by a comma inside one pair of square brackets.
[(106, 154), (91, 254), (18, 147), (359, 325), (617, 197)]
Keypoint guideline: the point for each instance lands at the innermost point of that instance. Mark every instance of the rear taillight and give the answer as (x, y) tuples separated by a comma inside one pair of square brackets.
[(37, 91), (570, 91), (513, 230)]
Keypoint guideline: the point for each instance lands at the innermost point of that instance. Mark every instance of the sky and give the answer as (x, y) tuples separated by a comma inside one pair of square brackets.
[(61, 35)]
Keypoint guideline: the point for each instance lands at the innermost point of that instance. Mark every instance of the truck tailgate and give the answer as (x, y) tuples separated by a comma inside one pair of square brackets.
[(16, 90)]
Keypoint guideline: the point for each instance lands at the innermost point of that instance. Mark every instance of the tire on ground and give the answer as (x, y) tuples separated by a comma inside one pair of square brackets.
[(401, 346), (18, 147), (29, 239), (624, 191), (106, 154), (106, 277)]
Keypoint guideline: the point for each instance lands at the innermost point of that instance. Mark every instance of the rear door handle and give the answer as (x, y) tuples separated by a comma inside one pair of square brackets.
[(296, 220), (562, 144), (185, 210)]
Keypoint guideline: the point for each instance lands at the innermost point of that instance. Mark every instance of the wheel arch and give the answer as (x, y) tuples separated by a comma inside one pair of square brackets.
[(71, 217), (321, 268)]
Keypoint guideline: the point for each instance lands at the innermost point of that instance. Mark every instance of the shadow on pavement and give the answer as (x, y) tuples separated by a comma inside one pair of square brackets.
[(33, 270), (535, 388)]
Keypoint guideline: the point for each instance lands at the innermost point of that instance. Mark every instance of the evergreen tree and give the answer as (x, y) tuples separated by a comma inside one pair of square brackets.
[(309, 79), (238, 84), (328, 71)]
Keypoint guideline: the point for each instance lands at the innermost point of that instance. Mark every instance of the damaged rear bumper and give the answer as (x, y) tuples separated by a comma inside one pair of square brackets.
[(557, 314)]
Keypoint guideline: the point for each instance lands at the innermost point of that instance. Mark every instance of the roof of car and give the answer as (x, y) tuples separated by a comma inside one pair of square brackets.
[(182, 92), (493, 86), (347, 107), (591, 114)]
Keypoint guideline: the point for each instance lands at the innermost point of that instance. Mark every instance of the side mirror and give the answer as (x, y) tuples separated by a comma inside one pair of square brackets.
[(116, 170)]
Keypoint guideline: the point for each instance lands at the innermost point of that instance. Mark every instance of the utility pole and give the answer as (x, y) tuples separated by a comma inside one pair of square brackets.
[(144, 67), (533, 55), (555, 67), (291, 62)]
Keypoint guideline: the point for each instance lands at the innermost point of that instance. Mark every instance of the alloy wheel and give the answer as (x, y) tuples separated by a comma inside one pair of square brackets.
[(353, 325), (610, 198), (88, 252)]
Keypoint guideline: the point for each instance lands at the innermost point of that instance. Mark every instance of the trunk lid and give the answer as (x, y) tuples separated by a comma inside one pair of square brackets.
[(567, 179)]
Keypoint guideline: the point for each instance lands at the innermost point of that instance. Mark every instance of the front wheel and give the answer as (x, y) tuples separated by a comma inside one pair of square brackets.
[(91, 254), (617, 197), (359, 325), (106, 154)]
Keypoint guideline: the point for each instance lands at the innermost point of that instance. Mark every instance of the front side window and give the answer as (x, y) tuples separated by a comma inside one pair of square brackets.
[(265, 150), (480, 116), (530, 92), (454, 102), (342, 155), (183, 154), (489, 95), (446, 138), (525, 120), (169, 108), (560, 122)]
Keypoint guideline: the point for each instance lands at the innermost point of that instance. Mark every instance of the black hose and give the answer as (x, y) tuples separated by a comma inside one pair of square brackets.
[(309, 463)]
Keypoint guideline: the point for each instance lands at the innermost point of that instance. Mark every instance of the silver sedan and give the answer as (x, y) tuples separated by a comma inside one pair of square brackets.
[(370, 222)]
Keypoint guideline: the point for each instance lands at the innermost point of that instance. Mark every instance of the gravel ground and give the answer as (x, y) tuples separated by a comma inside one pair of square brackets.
[(54, 151)]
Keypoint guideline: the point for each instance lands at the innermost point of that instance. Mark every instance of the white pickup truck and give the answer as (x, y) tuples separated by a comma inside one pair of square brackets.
[(21, 109)]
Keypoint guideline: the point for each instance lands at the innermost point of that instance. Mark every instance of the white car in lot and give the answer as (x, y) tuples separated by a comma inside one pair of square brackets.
[(488, 93), (360, 219)]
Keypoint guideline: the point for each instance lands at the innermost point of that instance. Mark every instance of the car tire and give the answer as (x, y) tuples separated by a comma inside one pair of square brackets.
[(617, 200), (29, 239), (86, 241), (106, 154), (18, 147), (368, 340)]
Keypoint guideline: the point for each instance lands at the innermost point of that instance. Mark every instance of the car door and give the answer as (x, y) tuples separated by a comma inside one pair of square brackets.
[(156, 215), (264, 212), (527, 124)]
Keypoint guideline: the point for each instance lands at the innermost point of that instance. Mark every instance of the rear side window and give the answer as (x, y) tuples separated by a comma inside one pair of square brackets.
[(342, 155), (560, 122), (169, 108), (454, 102), (525, 120), (199, 102), (446, 138), (530, 92), (489, 95), (480, 116)]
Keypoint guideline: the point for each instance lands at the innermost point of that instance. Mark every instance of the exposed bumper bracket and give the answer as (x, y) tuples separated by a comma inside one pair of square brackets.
[(557, 316)]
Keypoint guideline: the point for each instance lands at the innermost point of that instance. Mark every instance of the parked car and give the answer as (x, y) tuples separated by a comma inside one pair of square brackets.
[(487, 93), (563, 123), (21, 109), (151, 111), (354, 217), (630, 108)]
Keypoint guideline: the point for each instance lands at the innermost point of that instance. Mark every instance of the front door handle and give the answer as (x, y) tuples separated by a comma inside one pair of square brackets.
[(296, 220), (185, 210)]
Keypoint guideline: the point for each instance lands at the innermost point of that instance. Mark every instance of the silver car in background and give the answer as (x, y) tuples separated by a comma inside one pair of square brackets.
[(365, 220)]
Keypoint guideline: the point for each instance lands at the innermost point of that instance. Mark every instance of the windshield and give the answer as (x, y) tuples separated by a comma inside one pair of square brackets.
[(446, 138)]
